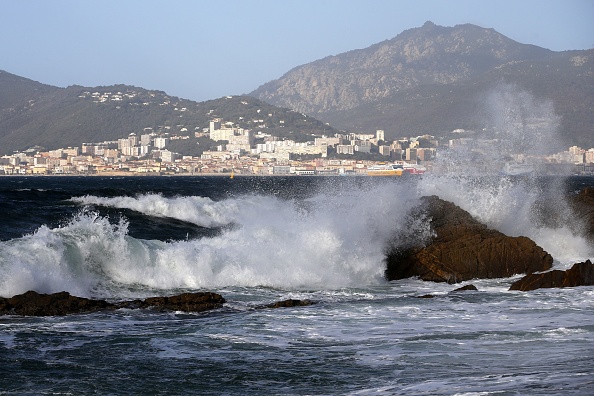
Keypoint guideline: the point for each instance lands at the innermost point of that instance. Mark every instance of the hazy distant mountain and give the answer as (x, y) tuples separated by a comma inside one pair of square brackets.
[(433, 79), (35, 114)]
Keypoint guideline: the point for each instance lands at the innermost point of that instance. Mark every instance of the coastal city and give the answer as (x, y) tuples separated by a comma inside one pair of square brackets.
[(237, 153)]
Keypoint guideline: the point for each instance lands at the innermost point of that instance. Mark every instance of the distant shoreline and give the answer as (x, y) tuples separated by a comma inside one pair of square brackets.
[(132, 174)]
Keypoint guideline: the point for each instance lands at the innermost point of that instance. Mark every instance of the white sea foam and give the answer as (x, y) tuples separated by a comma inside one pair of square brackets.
[(330, 241), (334, 239), (522, 127), (511, 207), (197, 210), (338, 241)]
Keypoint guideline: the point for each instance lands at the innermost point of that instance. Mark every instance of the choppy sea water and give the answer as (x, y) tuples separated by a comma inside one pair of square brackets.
[(260, 240)]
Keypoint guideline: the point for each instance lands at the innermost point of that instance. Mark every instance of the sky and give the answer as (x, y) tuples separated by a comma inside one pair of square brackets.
[(207, 49)]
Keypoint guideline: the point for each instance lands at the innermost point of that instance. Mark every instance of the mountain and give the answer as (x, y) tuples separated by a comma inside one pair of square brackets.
[(431, 79), (35, 114), (434, 79)]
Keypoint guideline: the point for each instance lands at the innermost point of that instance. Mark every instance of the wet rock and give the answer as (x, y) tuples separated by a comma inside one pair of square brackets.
[(470, 287), (583, 208), (186, 302), (461, 248), (290, 303), (580, 274), (426, 296), (58, 304), (35, 304)]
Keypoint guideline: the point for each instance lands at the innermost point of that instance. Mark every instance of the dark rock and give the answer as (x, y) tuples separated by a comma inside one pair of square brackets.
[(462, 248), (581, 274), (186, 302), (465, 288), (131, 304), (290, 303), (583, 208), (460, 289), (58, 304), (34, 304)]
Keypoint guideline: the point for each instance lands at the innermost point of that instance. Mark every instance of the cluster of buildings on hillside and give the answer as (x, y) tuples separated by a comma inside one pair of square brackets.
[(241, 142), (239, 151)]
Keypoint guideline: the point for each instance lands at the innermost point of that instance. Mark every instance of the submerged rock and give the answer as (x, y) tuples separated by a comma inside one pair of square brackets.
[(460, 289), (461, 248), (465, 288), (290, 303), (580, 274), (58, 304)]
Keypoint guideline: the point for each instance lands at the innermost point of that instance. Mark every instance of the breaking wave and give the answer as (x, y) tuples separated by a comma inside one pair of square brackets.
[(328, 241), (333, 239)]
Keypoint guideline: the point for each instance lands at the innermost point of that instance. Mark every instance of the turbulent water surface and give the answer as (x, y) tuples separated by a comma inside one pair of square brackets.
[(257, 240)]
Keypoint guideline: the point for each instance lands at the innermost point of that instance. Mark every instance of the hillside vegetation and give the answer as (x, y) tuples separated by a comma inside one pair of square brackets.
[(34, 114), (426, 80)]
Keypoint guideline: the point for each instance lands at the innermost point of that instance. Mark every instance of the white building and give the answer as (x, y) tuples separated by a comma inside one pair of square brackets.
[(345, 149), (168, 156), (160, 142), (380, 135)]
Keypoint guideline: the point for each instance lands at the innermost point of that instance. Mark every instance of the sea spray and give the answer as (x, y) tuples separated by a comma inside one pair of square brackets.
[(524, 126), (521, 128), (362, 339), (65, 258), (201, 211), (328, 240)]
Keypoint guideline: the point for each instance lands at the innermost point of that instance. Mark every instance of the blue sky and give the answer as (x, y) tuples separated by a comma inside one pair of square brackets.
[(206, 49)]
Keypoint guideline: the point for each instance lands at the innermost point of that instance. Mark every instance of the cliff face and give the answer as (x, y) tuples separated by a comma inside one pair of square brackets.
[(430, 54)]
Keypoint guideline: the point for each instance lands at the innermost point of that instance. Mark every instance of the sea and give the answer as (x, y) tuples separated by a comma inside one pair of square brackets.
[(258, 240)]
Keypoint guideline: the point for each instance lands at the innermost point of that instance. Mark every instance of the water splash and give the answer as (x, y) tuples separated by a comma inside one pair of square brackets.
[(519, 129), (522, 129), (333, 238), (201, 211), (327, 241), (521, 123)]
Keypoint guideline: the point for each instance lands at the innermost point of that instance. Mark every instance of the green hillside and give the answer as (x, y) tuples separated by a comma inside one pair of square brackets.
[(35, 114)]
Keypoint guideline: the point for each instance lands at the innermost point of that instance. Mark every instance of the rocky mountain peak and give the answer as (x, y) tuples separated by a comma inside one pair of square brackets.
[(430, 54)]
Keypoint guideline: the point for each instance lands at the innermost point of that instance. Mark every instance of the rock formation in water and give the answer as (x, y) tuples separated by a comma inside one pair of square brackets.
[(57, 304), (466, 288), (34, 304), (289, 303), (580, 274), (186, 302), (462, 248), (470, 287), (583, 208)]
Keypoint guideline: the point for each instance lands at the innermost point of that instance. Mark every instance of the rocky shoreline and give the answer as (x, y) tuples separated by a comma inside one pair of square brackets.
[(63, 303), (461, 248), (458, 248)]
